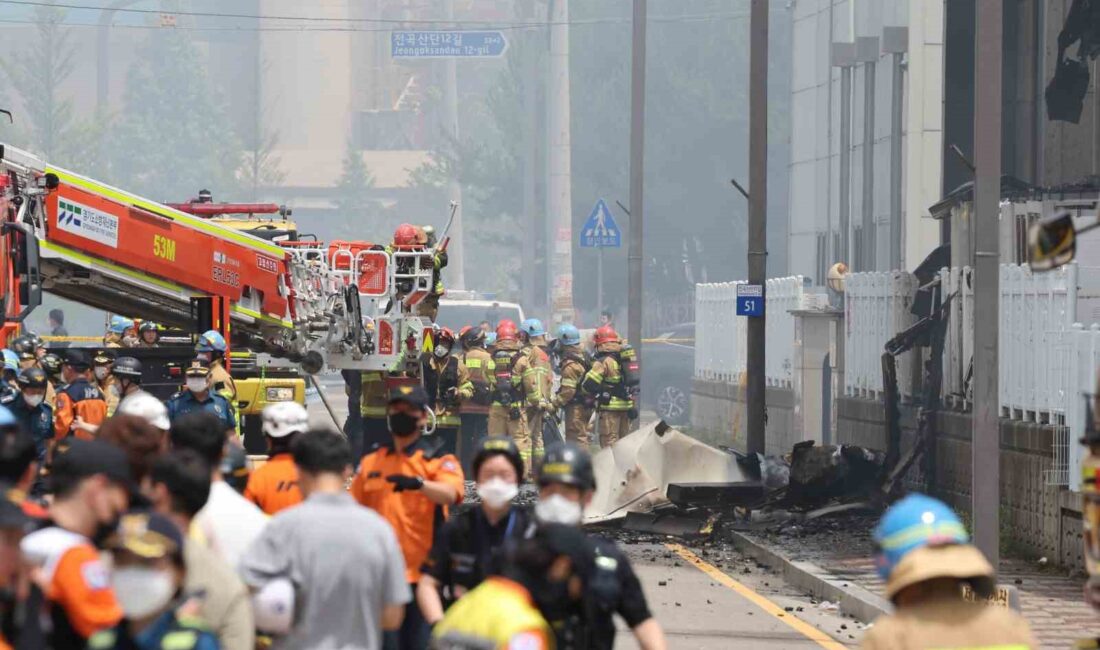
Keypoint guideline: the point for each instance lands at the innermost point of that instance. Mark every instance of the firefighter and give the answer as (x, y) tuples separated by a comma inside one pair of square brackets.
[(924, 554), (406, 239), (212, 348), (467, 548), (566, 484), (572, 367), (32, 409), (81, 407), (475, 411), (372, 406), (116, 331), (51, 363), (429, 307), (447, 382), (274, 485), (102, 364), (507, 417), (148, 335), (535, 375), (198, 395), (606, 382)]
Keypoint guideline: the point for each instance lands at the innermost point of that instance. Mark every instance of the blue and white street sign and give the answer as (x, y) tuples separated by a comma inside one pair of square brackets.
[(600, 230), (750, 300), (446, 44)]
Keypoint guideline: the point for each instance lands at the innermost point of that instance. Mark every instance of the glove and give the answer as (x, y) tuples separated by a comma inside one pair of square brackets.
[(402, 482), (632, 413)]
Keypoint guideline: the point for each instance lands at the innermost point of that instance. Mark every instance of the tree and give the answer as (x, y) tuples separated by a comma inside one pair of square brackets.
[(260, 166), (174, 136)]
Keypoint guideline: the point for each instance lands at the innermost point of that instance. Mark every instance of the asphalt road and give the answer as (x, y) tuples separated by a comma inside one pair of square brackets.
[(705, 598)]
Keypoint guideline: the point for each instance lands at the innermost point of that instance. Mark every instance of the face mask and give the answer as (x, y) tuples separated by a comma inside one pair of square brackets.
[(205, 356), (33, 400), (402, 424), (556, 509), (142, 591), (196, 384), (101, 372), (496, 492), (441, 351)]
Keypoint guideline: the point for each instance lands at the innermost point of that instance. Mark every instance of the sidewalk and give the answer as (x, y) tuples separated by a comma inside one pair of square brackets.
[(841, 557)]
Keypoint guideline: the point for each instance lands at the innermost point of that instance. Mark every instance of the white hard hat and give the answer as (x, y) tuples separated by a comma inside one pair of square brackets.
[(147, 407), (273, 607), (284, 418)]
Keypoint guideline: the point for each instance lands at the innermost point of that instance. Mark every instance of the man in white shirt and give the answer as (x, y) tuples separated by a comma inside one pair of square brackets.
[(228, 523)]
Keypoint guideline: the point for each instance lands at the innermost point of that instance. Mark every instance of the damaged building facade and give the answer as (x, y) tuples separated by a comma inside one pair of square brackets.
[(826, 356)]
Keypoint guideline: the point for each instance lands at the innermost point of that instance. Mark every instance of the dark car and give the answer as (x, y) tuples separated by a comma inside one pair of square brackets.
[(668, 365)]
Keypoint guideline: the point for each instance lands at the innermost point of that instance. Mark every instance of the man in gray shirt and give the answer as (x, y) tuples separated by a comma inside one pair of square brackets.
[(343, 559)]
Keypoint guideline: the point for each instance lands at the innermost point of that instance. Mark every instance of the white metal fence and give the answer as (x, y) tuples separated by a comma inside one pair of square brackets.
[(720, 334), (876, 308)]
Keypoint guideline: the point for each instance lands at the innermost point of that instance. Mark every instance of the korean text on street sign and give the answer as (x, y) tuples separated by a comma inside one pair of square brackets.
[(600, 230), (447, 44), (750, 300)]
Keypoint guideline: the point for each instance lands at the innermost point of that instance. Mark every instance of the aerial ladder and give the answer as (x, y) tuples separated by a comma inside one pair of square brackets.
[(344, 305)]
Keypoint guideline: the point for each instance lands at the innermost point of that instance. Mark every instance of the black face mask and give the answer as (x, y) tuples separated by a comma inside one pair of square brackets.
[(402, 424)]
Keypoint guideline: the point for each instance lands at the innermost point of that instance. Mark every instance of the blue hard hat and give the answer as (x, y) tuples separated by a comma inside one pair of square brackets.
[(490, 338), (211, 341), (7, 419), (11, 360), (532, 327), (569, 334), (120, 324), (914, 522)]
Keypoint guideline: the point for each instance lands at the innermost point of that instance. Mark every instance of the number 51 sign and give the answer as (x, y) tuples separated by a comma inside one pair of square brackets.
[(750, 300)]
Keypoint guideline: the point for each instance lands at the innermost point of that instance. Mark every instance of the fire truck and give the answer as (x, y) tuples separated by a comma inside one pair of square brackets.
[(340, 305)]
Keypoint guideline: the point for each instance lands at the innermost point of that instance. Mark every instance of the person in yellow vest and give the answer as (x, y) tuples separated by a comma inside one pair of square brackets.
[(105, 380), (448, 385), (373, 398), (212, 348), (474, 412), (535, 376), (573, 366), (925, 556), (506, 610), (606, 383), (507, 417)]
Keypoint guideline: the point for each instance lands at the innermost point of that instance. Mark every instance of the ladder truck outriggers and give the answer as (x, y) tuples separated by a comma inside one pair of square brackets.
[(344, 305)]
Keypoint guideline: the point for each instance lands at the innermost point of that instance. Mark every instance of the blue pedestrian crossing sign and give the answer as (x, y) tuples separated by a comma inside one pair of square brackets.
[(600, 230)]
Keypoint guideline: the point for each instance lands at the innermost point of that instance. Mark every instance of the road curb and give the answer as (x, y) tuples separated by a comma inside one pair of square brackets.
[(854, 600)]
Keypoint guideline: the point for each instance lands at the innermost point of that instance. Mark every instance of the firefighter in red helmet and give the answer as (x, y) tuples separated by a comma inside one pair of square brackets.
[(506, 414), (608, 383)]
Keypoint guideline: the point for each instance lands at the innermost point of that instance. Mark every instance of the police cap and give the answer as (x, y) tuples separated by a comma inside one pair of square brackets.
[(567, 464), (498, 446)]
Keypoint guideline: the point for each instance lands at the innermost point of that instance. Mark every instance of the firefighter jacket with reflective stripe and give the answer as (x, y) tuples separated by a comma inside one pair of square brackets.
[(605, 380), (483, 377), (534, 374), (505, 359), (373, 397), (448, 383), (573, 370)]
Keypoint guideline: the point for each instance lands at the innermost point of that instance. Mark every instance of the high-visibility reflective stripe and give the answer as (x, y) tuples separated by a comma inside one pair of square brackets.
[(473, 363), (165, 211)]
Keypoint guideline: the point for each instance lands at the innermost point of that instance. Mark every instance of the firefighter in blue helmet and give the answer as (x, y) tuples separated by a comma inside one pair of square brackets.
[(924, 554), (198, 395)]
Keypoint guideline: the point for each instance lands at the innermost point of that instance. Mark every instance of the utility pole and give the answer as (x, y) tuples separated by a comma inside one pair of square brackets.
[(758, 219), (637, 177), (843, 55), (526, 9), (560, 190), (985, 487), (457, 251)]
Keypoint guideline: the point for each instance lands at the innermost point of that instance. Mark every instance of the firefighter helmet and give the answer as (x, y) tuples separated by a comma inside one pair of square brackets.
[(51, 363), (471, 337), (445, 337), (405, 235), (569, 334), (148, 326), (533, 327), (506, 331), (32, 377), (119, 324), (11, 360), (281, 419), (605, 334), (128, 367), (497, 446), (567, 464), (211, 341)]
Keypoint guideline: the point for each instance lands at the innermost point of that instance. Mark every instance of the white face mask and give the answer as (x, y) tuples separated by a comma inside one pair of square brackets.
[(33, 400), (142, 591), (101, 372), (496, 492), (556, 509), (196, 384), (441, 351)]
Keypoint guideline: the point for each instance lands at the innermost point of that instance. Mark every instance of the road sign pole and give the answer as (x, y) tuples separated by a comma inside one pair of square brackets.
[(758, 240), (599, 280)]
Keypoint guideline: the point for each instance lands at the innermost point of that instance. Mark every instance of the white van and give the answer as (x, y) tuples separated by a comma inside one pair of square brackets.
[(456, 313)]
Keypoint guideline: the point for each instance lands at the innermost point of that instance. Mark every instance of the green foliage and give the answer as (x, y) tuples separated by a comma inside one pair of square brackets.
[(174, 136)]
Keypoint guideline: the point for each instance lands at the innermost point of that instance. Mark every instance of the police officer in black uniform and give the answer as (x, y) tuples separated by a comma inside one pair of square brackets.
[(465, 550), (566, 485)]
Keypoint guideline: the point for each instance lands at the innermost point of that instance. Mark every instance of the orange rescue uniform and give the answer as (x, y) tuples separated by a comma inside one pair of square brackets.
[(274, 486), (414, 518), (80, 398)]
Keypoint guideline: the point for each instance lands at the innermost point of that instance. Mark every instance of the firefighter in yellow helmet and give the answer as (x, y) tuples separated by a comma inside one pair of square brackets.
[(924, 554), (607, 382)]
